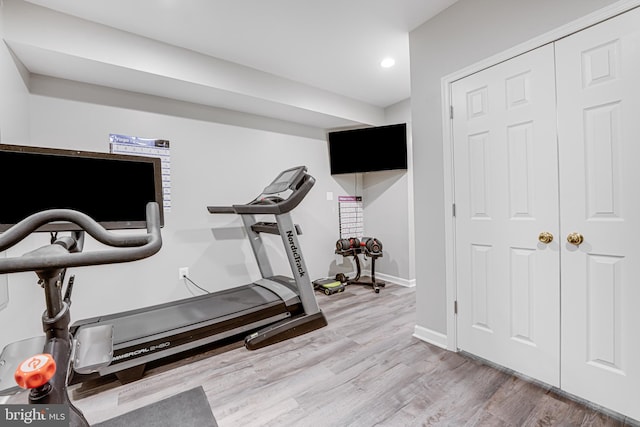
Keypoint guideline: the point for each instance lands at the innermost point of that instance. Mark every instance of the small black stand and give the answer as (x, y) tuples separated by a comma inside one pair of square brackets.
[(375, 284)]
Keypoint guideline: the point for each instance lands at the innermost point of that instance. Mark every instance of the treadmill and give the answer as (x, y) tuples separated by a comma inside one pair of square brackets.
[(269, 310)]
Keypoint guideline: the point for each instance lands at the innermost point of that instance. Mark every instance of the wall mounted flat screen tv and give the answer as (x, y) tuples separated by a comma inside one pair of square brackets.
[(113, 189), (369, 149)]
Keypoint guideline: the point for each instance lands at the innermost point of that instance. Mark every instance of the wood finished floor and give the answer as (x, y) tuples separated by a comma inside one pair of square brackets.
[(364, 369)]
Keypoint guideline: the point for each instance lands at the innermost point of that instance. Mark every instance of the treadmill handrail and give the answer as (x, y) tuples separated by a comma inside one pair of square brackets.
[(274, 208), (129, 247), (221, 209)]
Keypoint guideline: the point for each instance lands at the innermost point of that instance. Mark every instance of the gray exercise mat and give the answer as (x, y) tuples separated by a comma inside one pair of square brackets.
[(187, 409)]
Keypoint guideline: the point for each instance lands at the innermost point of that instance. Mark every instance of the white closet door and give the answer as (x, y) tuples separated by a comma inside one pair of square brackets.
[(598, 78), (506, 194)]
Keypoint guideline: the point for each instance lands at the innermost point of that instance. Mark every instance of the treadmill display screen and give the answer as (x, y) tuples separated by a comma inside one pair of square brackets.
[(284, 181)]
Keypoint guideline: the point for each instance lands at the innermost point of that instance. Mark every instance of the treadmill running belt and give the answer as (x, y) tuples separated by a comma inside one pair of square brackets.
[(210, 308)]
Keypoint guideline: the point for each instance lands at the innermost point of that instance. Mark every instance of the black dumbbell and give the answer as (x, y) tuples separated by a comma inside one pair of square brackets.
[(350, 243)]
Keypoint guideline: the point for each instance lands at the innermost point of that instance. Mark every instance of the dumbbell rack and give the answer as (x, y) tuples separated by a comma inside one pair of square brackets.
[(357, 280)]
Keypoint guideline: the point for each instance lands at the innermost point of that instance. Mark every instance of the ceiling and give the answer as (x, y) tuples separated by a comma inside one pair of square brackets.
[(311, 62)]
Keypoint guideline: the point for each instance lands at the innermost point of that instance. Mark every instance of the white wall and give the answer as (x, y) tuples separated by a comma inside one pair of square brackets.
[(14, 101), (463, 34), (14, 128)]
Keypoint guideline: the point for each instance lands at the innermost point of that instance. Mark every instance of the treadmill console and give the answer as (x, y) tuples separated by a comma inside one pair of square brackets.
[(284, 193), (289, 179)]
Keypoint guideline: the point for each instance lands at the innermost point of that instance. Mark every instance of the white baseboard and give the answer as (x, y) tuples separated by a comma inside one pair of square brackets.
[(432, 337), (409, 283)]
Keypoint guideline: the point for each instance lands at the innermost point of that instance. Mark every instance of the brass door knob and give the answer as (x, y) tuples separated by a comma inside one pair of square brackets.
[(545, 237), (575, 238)]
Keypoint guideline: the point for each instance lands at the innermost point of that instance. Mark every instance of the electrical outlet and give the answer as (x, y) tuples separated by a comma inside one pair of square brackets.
[(183, 272)]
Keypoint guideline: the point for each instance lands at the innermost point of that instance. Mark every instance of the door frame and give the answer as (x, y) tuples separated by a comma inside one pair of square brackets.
[(447, 140)]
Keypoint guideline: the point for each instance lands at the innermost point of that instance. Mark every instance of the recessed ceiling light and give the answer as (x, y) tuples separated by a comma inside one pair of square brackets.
[(388, 62)]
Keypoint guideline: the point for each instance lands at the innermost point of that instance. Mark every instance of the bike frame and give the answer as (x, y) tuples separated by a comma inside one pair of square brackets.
[(50, 264)]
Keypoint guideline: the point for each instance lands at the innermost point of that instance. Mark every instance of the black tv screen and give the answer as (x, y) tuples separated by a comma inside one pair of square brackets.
[(113, 189), (368, 149)]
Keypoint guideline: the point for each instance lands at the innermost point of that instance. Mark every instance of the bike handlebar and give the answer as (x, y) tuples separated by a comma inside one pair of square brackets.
[(130, 247)]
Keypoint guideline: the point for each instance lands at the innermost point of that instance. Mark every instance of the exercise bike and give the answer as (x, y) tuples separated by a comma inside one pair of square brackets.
[(47, 374)]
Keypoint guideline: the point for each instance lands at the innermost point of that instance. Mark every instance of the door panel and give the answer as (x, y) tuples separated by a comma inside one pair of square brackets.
[(506, 193), (599, 155)]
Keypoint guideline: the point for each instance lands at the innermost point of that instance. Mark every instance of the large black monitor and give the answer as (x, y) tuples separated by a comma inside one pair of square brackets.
[(113, 189), (368, 149)]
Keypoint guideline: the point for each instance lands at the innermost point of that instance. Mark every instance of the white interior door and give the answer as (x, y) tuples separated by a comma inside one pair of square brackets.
[(598, 75), (506, 194)]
